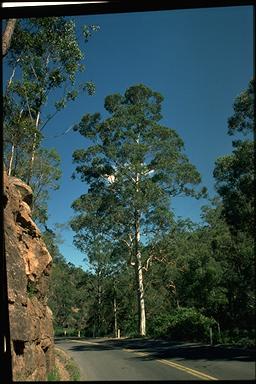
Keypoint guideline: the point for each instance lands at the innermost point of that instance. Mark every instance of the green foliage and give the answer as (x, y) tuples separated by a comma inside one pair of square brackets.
[(240, 337), (184, 272), (243, 117), (69, 365), (132, 167), (18, 132), (196, 276), (47, 52), (73, 370), (87, 31), (44, 57), (130, 144), (183, 324), (68, 302), (31, 289), (74, 302), (234, 176), (54, 375), (46, 175)]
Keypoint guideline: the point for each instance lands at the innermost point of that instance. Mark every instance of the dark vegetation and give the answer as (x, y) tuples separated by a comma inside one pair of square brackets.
[(186, 278)]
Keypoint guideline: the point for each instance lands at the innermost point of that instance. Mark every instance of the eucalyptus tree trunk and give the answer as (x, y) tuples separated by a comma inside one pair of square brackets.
[(115, 318), (99, 303), (11, 160), (138, 266), (139, 278), (33, 152), (10, 166), (9, 83), (7, 36)]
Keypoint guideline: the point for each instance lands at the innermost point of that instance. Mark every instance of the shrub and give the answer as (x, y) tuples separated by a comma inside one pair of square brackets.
[(239, 337), (182, 324), (58, 331), (158, 327), (189, 324), (130, 327)]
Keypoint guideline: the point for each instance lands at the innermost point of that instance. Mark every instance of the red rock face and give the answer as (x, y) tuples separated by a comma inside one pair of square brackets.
[(28, 267)]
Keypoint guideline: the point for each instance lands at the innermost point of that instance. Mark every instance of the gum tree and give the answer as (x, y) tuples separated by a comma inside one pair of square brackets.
[(235, 183), (133, 166), (44, 59), (234, 173)]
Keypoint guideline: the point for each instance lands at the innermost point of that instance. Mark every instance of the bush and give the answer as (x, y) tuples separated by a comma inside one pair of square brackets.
[(158, 327), (130, 327), (239, 337), (183, 324), (58, 331)]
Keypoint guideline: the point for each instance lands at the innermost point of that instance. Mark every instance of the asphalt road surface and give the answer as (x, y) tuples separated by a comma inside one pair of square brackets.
[(142, 359)]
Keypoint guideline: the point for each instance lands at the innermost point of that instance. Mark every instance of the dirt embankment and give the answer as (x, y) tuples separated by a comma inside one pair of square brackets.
[(65, 367)]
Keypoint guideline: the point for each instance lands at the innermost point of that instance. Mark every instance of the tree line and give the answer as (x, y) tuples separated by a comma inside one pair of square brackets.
[(43, 58), (150, 273)]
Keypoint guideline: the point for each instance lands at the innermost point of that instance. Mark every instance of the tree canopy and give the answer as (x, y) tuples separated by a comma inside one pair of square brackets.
[(133, 168), (187, 277), (45, 58)]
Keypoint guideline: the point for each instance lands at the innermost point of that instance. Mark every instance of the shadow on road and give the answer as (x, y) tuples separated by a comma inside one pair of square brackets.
[(162, 349)]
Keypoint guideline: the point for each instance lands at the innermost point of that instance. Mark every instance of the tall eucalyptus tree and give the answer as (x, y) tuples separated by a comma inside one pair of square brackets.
[(133, 167), (44, 59)]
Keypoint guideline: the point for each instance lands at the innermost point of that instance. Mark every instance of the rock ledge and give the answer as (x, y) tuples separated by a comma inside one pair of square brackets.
[(28, 267)]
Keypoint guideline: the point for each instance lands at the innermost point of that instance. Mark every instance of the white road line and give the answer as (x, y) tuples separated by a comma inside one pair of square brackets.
[(83, 342)]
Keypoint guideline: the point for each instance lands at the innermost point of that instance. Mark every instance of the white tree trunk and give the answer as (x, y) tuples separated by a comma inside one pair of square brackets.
[(13, 146), (115, 318), (9, 83), (11, 161), (138, 267), (142, 315), (33, 151), (139, 278)]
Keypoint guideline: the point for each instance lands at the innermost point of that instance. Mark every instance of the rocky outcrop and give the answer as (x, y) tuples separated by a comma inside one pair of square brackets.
[(28, 267)]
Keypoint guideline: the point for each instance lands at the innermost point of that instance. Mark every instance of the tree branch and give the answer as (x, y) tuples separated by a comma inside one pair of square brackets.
[(7, 36), (49, 118), (28, 106), (12, 76)]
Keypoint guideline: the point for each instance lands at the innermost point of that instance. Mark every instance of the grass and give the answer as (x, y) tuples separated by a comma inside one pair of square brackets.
[(68, 364), (54, 375), (73, 370)]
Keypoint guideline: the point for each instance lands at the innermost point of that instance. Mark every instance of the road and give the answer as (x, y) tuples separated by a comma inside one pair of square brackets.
[(143, 359)]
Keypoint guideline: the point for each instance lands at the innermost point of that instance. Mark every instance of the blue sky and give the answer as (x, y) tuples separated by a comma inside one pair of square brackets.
[(199, 60)]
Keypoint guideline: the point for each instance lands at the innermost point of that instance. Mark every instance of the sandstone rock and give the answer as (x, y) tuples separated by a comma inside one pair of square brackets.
[(24, 189), (23, 218), (20, 323), (28, 267)]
